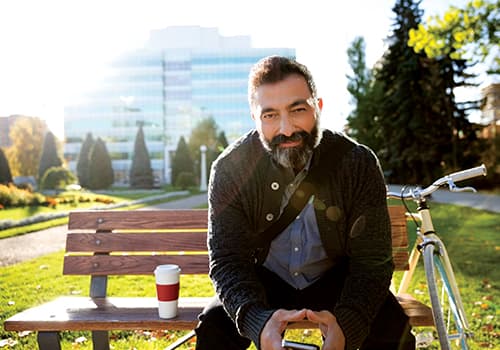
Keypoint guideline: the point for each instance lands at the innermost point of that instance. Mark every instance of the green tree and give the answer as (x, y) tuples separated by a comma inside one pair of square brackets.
[(82, 166), (366, 95), (182, 162), (101, 173), (141, 173), (5, 175), (461, 31), (221, 143), (204, 133), (423, 129), (404, 110), (457, 40), (27, 135), (50, 155)]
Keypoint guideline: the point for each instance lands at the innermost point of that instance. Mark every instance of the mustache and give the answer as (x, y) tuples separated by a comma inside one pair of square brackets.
[(296, 136)]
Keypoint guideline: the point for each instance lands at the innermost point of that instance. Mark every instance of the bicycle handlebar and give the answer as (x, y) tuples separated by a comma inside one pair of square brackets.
[(445, 180)]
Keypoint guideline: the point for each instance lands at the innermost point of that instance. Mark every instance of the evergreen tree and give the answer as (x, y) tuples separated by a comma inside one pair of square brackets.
[(426, 132), (415, 134), (5, 175), (50, 155), (221, 142), (101, 174), (465, 148), (82, 166), (141, 173), (182, 161), (366, 94)]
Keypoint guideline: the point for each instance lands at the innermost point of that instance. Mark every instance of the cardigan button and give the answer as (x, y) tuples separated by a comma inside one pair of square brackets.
[(275, 186), (270, 217)]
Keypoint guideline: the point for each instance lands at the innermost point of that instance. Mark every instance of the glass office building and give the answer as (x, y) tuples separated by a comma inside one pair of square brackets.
[(183, 75)]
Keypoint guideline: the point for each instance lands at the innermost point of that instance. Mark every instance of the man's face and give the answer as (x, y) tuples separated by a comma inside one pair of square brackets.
[(286, 118)]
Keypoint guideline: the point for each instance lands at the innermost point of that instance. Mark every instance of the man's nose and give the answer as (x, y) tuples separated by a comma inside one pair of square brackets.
[(286, 127)]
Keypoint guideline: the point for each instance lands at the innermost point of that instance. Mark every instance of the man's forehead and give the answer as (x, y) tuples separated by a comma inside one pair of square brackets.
[(284, 92)]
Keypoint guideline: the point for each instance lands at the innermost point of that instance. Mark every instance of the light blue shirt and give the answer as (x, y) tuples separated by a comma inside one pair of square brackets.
[(297, 254)]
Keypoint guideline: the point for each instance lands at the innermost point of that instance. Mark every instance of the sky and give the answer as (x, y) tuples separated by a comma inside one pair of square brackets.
[(52, 52)]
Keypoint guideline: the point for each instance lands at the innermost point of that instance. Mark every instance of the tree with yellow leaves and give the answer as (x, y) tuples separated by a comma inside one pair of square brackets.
[(471, 33), (27, 135)]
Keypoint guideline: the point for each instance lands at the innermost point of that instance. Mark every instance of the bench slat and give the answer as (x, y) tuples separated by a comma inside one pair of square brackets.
[(136, 242), (106, 220), (420, 314), (101, 265), (83, 313), (112, 313)]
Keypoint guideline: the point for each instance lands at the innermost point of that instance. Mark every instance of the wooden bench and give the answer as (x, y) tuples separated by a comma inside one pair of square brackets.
[(105, 243)]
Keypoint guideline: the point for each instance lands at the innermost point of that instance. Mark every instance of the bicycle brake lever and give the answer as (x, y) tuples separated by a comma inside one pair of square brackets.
[(455, 188), (463, 189)]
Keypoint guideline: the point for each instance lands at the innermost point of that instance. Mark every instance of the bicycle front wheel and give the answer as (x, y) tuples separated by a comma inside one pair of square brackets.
[(447, 309)]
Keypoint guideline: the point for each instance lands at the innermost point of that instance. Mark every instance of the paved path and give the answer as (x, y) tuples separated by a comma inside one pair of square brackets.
[(32, 245)]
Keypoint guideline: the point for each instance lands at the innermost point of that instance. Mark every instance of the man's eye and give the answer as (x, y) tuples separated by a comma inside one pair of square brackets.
[(269, 116), (299, 110)]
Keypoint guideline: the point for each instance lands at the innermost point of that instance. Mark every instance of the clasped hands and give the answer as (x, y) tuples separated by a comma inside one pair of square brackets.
[(271, 335)]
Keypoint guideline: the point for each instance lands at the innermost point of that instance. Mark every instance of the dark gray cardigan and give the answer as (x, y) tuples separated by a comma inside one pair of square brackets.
[(245, 193)]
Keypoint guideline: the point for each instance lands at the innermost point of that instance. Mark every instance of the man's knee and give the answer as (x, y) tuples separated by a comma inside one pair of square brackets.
[(216, 330)]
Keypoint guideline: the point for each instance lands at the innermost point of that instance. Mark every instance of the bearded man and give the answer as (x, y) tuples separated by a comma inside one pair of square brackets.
[(332, 262)]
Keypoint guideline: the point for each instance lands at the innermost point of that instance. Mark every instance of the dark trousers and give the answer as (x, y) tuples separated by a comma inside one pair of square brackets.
[(390, 329)]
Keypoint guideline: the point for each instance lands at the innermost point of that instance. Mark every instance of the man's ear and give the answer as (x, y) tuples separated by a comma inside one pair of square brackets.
[(320, 103)]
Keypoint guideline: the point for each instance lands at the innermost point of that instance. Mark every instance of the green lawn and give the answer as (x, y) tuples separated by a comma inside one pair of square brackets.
[(473, 245)]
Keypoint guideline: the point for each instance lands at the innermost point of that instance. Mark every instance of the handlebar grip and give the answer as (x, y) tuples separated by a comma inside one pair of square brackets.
[(468, 173)]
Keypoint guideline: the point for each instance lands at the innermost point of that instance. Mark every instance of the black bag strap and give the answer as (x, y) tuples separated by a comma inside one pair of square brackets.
[(301, 196)]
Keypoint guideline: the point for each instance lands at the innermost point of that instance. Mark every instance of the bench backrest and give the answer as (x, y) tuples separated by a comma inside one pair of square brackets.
[(102, 243)]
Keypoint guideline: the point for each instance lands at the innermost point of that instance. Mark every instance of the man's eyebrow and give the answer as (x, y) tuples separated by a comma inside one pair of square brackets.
[(302, 101), (298, 102)]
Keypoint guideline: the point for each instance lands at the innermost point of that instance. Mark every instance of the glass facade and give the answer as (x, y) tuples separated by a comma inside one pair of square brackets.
[(168, 91)]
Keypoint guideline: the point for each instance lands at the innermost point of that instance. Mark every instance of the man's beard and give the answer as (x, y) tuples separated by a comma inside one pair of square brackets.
[(292, 157)]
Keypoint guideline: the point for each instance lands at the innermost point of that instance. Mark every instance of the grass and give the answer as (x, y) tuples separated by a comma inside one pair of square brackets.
[(470, 235)]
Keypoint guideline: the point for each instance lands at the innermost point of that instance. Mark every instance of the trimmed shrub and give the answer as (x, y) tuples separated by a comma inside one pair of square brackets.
[(57, 178), (101, 173), (185, 179), (50, 157), (141, 173), (5, 174)]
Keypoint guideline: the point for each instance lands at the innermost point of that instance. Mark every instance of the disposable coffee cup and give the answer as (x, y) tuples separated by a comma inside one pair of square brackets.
[(167, 289)]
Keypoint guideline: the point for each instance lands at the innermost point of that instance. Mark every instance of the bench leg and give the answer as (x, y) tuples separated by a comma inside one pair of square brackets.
[(49, 341), (100, 339), (181, 341)]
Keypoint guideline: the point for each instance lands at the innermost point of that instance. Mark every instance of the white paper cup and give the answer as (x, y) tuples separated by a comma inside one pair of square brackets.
[(167, 289)]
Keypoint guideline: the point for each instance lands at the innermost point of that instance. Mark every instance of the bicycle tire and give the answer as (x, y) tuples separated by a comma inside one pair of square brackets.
[(447, 302)]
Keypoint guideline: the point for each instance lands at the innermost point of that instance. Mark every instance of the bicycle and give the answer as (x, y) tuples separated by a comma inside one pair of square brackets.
[(447, 308)]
